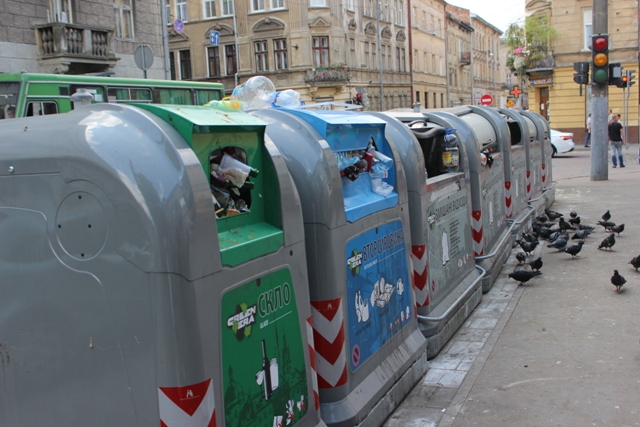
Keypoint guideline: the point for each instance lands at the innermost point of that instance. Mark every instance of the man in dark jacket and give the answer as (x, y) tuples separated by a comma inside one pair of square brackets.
[(616, 137)]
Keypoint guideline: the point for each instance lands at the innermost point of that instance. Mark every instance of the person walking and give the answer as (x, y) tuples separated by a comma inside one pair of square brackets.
[(616, 138), (588, 138)]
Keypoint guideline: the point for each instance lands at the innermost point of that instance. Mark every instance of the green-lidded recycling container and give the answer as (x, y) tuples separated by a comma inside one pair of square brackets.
[(369, 350), (129, 296)]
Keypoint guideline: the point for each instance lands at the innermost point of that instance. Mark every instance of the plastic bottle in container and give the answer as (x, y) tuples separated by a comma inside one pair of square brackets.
[(450, 152), (257, 92)]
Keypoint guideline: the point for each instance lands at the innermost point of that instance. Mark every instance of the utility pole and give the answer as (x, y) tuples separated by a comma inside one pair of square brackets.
[(599, 105)]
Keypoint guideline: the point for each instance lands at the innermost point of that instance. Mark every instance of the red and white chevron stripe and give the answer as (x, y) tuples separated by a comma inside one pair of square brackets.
[(312, 360), (187, 406), (528, 185), (328, 337), (544, 176), (419, 266), (476, 231), (508, 200)]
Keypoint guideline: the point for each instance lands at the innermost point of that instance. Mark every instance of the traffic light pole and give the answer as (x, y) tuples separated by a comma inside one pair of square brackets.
[(599, 106)]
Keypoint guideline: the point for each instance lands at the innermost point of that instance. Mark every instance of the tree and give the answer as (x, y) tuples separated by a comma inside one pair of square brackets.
[(529, 44)]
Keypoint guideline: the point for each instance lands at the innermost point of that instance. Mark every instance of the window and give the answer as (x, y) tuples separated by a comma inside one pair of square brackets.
[(209, 8), (173, 96), (384, 58), (230, 57), (320, 51), (400, 14), (205, 95), (318, 3), (588, 29), (415, 17), (277, 4), (350, 5), (41, 108), (257, 5), (167, 9), (213, 58), (442, 100), (227, 7), (398, 58), (172, 65), (124, 19), (403, 60), (280, 54), (61, 11), (262, 62), (435, 104), (389, 63), (181, 10), (374, 56), (185, 64), (395, 12), (426, 100), (369, 11), (352, 50), (415, 59), (366, 54), (417, 96), (125, 94)]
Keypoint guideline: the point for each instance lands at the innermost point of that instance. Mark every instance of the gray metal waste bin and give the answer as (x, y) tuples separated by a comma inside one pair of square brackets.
[(369, 350), (447, 282), (117, 306), (543, 134)]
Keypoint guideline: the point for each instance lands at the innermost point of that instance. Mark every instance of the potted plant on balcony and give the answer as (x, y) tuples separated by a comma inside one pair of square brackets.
[(529, 44)]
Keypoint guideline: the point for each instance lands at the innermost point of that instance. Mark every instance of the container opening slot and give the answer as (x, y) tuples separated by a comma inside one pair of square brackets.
[(231, 183)]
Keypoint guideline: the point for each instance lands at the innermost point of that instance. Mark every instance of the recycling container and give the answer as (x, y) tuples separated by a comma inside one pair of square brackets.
[(446, 280), (523, 133), (369, 350), (543, 135), (129, 297)]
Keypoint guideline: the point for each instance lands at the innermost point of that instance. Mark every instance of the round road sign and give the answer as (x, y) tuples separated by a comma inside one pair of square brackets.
[(486, 99)]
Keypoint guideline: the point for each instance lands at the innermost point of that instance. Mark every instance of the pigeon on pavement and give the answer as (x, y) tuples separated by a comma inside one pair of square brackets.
[(523, 276), (586, 227), (521, 257), (608, 242), (536, 264), (607, 224), (618, 228), (553, 215), (606, 216), (559, 243), (527, 247), (635, 262), (574, 221), (617, 280), (574, 249), (564, 225), (581, 235)]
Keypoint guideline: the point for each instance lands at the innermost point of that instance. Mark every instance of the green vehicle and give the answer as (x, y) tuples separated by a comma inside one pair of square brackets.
[(25, 95)]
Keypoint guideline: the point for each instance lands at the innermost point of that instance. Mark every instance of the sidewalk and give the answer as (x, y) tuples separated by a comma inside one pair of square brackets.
[(561, 351)]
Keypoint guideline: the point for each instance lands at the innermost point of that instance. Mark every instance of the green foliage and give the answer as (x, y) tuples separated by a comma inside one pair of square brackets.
[(529, 44)]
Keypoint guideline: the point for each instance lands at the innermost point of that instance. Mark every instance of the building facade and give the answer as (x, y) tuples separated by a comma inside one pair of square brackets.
[(485, 60), (553, 93), (459, 33), (79, 36)]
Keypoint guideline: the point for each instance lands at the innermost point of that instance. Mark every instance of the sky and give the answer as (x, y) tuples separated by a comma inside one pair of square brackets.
[(499, 13)]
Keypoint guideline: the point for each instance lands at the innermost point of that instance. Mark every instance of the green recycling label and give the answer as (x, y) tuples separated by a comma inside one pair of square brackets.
[(264, 373)]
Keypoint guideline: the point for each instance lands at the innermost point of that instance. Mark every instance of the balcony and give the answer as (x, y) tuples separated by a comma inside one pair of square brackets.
[(76, 49), (465, 58), (544, 64), (326, 75)]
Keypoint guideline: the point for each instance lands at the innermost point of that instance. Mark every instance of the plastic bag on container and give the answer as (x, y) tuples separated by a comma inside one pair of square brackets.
[(380, 187), (287, 99), (257, 92)]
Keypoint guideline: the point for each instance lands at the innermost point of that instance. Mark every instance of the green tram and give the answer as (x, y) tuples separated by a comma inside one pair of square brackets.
[(24, 95)]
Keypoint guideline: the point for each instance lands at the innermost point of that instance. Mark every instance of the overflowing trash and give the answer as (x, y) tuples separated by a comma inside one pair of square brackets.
[(230, 181), (260, 92), (355, 162)]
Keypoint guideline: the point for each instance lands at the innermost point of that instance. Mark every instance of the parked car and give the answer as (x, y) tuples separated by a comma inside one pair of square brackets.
[(562, 142)]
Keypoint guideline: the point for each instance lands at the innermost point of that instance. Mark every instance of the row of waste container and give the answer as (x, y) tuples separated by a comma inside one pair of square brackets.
[(194, 266)]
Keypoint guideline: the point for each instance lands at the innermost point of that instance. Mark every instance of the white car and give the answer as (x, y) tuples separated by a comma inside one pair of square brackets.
[(562, 142)]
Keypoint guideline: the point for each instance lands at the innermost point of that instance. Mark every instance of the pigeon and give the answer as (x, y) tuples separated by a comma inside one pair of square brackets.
[(529, 237), (544, 232), (607, 224), (556, 235), (553, 215), (608, 241), (527, 247), (523, 276), (564, 225), (559, 243), (618, 228), (606, 216), (536, 264), (616, 280), (521, 257), (635, 262), (574, 221), (542, 218), (580, 235), (586, 227), (573, 214), (574, 249)]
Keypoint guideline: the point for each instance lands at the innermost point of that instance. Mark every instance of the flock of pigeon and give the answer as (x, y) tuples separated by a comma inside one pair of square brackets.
[(559, 236)]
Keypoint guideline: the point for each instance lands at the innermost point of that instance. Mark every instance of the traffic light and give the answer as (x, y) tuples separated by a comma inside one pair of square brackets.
[(615, 74), (358, 99), (600, 58), (623, 81), (631, 77), (581, 75)]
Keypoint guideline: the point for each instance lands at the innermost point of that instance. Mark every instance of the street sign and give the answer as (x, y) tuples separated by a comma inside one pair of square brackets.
[(143, 57), (516, 92), (486, 99), (214, 37), (178, 25)]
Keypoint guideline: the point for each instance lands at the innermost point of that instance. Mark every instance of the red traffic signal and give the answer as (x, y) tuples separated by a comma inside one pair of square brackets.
[(600, 58), (600, 43)]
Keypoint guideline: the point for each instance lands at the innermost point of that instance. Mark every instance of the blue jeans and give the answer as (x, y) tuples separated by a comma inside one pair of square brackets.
[(586, 141), (616, 147)]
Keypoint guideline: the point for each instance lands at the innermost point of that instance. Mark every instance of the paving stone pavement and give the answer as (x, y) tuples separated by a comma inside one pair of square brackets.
[(443, 390)]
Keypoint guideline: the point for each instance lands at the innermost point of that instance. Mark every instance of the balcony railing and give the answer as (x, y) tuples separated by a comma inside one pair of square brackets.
[(328, 75), (58, 39), (465, 58), (547, 62)]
